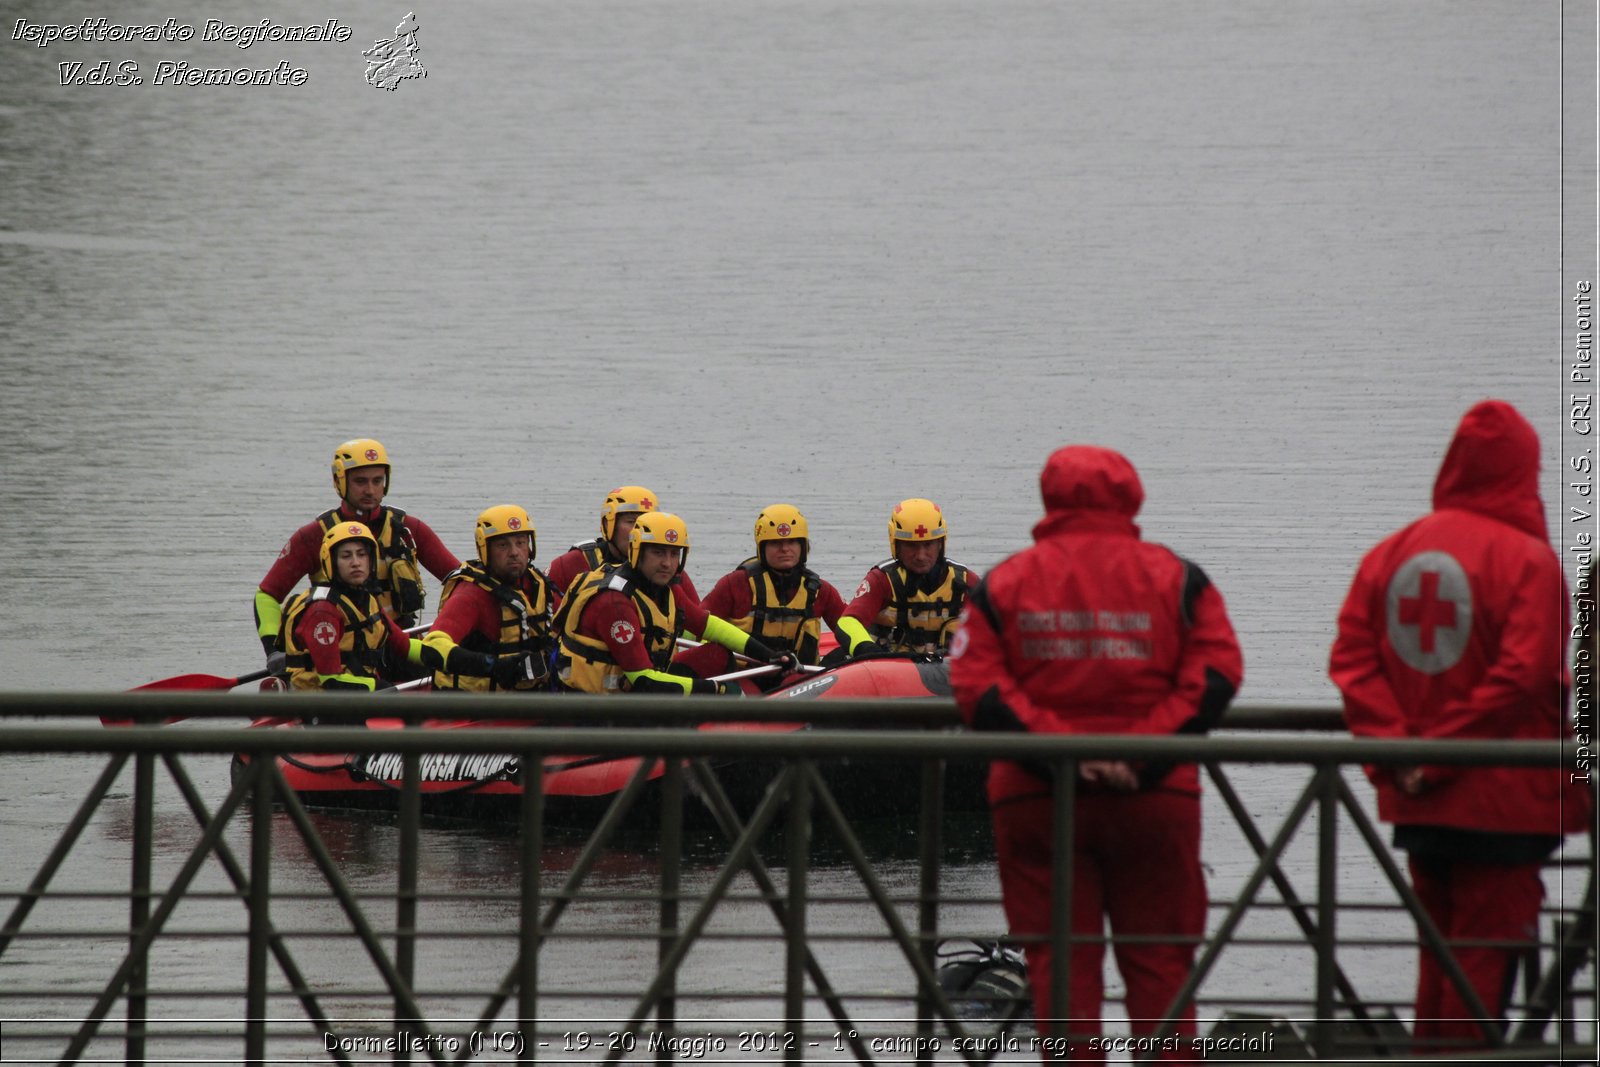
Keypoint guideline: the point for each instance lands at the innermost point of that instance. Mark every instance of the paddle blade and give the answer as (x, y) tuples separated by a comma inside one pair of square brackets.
[(190, 681)]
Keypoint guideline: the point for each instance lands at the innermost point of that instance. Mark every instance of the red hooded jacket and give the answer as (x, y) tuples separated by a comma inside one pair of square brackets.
[(1093, 630), (1456, 626)]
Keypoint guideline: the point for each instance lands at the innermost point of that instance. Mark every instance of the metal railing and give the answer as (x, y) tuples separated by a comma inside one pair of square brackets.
[(284, 1004)]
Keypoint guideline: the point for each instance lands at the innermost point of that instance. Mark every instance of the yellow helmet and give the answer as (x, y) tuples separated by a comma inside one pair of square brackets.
[(915, 520), (337, 535), (783, 522), (362, 452), (658, 528), (624, 500), (503, 520)]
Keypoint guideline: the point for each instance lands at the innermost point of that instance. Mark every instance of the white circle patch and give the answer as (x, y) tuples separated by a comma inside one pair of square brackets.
[(958, 644), (622, 632), (323, 634), (1429, 605)]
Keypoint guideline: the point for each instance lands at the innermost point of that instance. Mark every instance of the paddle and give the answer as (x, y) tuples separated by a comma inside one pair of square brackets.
[(203, 681), (769, 668), (804, 667)]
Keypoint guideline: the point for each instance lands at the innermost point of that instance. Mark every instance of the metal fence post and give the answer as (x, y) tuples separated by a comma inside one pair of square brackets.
[(139, 899), (671, 845), (1324, 1028), (799, 858), (255, 1034), (405, 904), (531, 811), (930, 850), (1064, 841)]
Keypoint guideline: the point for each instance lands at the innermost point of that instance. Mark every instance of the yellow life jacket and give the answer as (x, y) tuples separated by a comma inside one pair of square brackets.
[(524, 625), (362, 646), (916, 620), (584, 663), (399, 577), (790, 625), (597, 552)]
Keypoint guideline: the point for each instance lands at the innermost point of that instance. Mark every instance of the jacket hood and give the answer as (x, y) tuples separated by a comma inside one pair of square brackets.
[(1492, 467), (1086, 486)]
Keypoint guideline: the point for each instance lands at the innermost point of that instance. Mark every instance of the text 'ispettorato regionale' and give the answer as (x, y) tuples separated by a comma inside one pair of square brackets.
[(168, 72)]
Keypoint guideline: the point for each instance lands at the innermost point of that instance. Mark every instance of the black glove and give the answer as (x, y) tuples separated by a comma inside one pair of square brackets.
[(511, 671), (705, 687), (770, 656), (867, 650)]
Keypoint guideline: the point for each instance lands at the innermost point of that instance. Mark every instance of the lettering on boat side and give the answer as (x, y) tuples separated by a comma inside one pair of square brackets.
[(807, 690), (472, 767)]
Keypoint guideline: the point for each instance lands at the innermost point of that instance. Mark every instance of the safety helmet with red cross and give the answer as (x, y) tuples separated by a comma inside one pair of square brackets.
[(504, 520), (362, 452), (916, 519), (783, 522), (337, 535), (658, 528)]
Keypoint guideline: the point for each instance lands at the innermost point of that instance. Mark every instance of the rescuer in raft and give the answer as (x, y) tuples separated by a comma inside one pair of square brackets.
[(772, 596), (361, 477), (337, 634), (493, 627), (622, 506), (911, 602), (619, 625)]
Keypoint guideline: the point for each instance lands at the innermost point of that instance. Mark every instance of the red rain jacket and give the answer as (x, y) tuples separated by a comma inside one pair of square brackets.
[(1093, 630), (1456, 626)]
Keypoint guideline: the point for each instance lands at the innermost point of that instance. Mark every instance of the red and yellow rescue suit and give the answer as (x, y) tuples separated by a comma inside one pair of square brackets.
[(905, 612), (336, 637), (482, 621), (591, 555), (785, 610), (403, 541), (618, 632)]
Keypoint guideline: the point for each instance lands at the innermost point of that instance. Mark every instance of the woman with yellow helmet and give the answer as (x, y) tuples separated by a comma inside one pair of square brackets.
[(361, 477), (773, 596), (911, 602), (337, 634), (622, 506), (493, 627), (620, 624)]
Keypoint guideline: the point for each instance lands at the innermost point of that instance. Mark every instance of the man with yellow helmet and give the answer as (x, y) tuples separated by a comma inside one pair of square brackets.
[(622, 506), (493, 627), (620, 624), (911, 602), (337, 635), (773, 596), (361, 472)]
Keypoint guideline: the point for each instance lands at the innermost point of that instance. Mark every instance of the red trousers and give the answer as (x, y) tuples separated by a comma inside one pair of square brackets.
[(1136, 862), (1472, 901)]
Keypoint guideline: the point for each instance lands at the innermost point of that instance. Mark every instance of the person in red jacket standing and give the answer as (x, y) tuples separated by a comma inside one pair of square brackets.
[(361, 472), (1456, 626), (1093, 631)]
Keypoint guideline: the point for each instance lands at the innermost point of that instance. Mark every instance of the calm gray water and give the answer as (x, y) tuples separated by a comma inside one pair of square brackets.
[(834, 254)]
